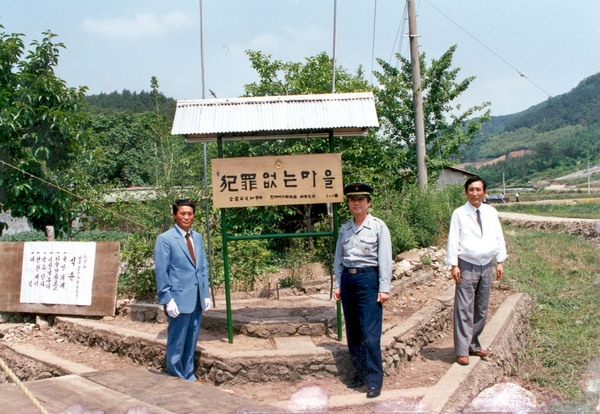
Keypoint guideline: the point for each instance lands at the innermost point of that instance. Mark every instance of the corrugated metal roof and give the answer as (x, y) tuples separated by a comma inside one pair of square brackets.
[(275, 117)]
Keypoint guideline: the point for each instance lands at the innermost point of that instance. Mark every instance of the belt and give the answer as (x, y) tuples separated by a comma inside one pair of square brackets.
[(475, 266), (358, 270)]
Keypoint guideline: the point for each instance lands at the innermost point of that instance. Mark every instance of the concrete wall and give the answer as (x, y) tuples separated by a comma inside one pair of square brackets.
[(15, 225)]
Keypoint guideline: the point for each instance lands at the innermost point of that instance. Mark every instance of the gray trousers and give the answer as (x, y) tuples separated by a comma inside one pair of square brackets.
[(471, 300)]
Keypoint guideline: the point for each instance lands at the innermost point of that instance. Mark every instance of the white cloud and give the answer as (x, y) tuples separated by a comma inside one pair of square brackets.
[(287, 43), (266, 42), (140, 25)]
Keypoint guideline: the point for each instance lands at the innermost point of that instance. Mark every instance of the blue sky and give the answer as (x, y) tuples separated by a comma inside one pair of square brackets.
[(120, 44)]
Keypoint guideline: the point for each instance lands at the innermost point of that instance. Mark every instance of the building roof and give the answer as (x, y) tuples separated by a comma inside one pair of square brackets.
[(275, 117), (460, 170)]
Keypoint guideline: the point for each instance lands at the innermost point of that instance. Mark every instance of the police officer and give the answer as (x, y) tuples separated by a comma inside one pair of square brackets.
[(363, 272)]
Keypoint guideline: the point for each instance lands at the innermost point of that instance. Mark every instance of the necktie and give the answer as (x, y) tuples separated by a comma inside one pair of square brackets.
[(188, 240), (479, 220)]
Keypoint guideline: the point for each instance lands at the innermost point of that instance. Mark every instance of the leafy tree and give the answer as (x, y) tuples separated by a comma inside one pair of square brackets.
[(296, 78), (137, 149), (383, 157), (127, 101), (447, 125), (313, 76), (42, 133)]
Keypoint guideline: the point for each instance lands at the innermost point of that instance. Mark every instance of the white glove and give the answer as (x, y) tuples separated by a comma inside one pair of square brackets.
[(207, 304), (172, 309)]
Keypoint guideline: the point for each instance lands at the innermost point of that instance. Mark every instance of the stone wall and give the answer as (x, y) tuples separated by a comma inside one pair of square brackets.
[(404, 342), (507, 348), (27, 369), (586, 228)]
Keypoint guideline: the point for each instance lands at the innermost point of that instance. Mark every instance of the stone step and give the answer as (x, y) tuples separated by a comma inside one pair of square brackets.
[(504, 336), (285, 339), (253, 359)]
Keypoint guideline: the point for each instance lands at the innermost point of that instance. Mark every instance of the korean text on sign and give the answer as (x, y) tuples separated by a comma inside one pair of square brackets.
[(307, 179), (58, 273)]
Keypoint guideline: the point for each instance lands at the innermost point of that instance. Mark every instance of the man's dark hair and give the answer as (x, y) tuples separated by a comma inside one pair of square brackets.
[(473, 179), (183, 203)]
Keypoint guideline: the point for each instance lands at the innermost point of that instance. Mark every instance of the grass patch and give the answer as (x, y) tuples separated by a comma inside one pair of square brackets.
[(560, 272), (582, 209)]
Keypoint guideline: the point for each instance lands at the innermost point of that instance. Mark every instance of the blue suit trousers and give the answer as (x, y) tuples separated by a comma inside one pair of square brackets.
[(182, 336), (363, 316)]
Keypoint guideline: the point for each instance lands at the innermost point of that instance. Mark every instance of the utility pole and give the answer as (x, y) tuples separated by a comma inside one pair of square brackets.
[(417, 96), (206, 207)]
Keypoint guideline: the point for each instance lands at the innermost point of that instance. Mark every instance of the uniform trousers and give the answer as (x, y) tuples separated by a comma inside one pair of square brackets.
[(471, 300), (363, 317), (182, 337)]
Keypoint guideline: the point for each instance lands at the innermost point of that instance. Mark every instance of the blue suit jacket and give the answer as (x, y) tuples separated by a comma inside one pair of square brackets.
[(176, 276)]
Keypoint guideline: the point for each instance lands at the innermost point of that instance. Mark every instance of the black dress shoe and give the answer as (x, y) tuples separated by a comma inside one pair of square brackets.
[(356, 383), (373, 392)]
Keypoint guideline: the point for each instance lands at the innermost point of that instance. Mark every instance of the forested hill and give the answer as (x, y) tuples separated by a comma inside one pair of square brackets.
[(127, 101), (553, 138), (580, 106), (578, 110)]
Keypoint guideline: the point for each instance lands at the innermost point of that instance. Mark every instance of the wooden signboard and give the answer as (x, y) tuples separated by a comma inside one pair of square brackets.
[(104, 285), (277, 180)]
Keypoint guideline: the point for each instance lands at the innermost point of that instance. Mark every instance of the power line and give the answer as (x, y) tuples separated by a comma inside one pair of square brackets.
[(373, 41), (399, 36), (521, 74), (75, 195)]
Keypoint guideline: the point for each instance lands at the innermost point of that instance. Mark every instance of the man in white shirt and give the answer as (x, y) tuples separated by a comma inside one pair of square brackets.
[(474, 239)]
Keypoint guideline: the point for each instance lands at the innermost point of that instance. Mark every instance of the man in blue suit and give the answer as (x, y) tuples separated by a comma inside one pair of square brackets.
[(182, 288)]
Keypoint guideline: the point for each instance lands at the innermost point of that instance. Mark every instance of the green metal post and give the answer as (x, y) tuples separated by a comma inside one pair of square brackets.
[(335, 229), (226, 259), (226, 274)]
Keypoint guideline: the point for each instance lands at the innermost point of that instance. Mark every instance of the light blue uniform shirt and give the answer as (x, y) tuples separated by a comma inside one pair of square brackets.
[(369, 245)]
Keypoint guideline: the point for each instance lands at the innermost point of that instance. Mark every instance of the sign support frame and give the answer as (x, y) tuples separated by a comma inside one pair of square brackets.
[(332, 233)]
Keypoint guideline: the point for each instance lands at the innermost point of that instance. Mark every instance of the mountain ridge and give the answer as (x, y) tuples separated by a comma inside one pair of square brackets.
[(553, 138)]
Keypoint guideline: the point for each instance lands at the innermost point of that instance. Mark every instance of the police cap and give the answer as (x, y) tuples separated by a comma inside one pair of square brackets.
[(358, 190)]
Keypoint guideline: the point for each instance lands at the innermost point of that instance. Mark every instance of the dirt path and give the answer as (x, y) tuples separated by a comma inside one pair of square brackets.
[(504, 215)]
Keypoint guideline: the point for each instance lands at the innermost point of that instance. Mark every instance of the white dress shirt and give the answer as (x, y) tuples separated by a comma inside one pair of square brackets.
[(184, 233), (465, 238)]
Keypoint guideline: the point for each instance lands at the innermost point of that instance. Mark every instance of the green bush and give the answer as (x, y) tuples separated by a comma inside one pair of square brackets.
[(402, 235), (426, 260), (136, 279), (418, 218), (290, 282), (424, 215), (101, 236), (24, 237), (91, 236), (248, 261)]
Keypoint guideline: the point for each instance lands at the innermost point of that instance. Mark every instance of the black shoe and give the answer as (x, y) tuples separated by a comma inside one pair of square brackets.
[(356, 383), (373, 392)]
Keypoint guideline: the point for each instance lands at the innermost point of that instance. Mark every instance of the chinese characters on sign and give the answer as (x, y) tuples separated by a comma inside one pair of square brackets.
[(58, 273), (277, 180)]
